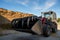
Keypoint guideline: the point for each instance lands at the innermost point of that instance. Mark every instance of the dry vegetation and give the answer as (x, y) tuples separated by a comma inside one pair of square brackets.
[(6, 16), (11, 14)]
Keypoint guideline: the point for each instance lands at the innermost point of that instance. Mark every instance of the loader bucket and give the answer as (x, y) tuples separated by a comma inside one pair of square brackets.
[(37, 27), (28, 25)]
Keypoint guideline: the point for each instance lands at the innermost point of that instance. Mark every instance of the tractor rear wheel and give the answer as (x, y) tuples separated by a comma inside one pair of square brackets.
[(54, 29)]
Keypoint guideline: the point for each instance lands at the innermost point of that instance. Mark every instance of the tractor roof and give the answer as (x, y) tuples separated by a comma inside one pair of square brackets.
[(49, 12)]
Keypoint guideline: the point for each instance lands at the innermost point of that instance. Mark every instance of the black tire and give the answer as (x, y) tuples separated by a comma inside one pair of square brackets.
[(13, 23), (46, 31), (54, 29)]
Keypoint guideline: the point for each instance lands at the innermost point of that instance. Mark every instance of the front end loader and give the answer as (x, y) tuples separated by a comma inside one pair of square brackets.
[(45, 24)]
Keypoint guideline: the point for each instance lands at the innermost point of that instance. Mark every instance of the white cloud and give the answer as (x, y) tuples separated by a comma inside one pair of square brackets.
[(35, 4), (25, 2), (48, 4), (7, 0), (37, 8)]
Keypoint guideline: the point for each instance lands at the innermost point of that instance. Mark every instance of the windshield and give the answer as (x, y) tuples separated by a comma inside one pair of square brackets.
[(47, 15)]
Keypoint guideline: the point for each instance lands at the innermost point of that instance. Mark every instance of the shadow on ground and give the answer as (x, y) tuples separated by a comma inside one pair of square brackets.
[(27, 36)]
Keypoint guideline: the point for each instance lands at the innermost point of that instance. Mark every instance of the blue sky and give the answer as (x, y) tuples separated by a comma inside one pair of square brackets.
[(31, 6)]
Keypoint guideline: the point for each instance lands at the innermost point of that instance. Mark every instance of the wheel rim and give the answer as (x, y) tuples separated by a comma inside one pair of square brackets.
[(48, 32)]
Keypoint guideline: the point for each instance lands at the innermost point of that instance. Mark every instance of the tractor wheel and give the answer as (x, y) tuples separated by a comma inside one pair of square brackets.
[(46, 31), (54, 30), (13, 23)]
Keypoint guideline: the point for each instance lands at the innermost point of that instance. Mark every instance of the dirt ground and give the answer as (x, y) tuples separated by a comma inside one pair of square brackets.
[(15, 35)]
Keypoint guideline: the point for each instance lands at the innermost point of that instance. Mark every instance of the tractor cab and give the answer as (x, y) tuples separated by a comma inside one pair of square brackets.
[(49, 15)]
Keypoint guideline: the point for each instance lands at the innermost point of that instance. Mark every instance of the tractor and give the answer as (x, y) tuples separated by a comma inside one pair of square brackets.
[(45, 24), (49, 23)]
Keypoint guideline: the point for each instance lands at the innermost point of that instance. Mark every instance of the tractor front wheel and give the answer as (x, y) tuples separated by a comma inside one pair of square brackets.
[(46, 30)]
